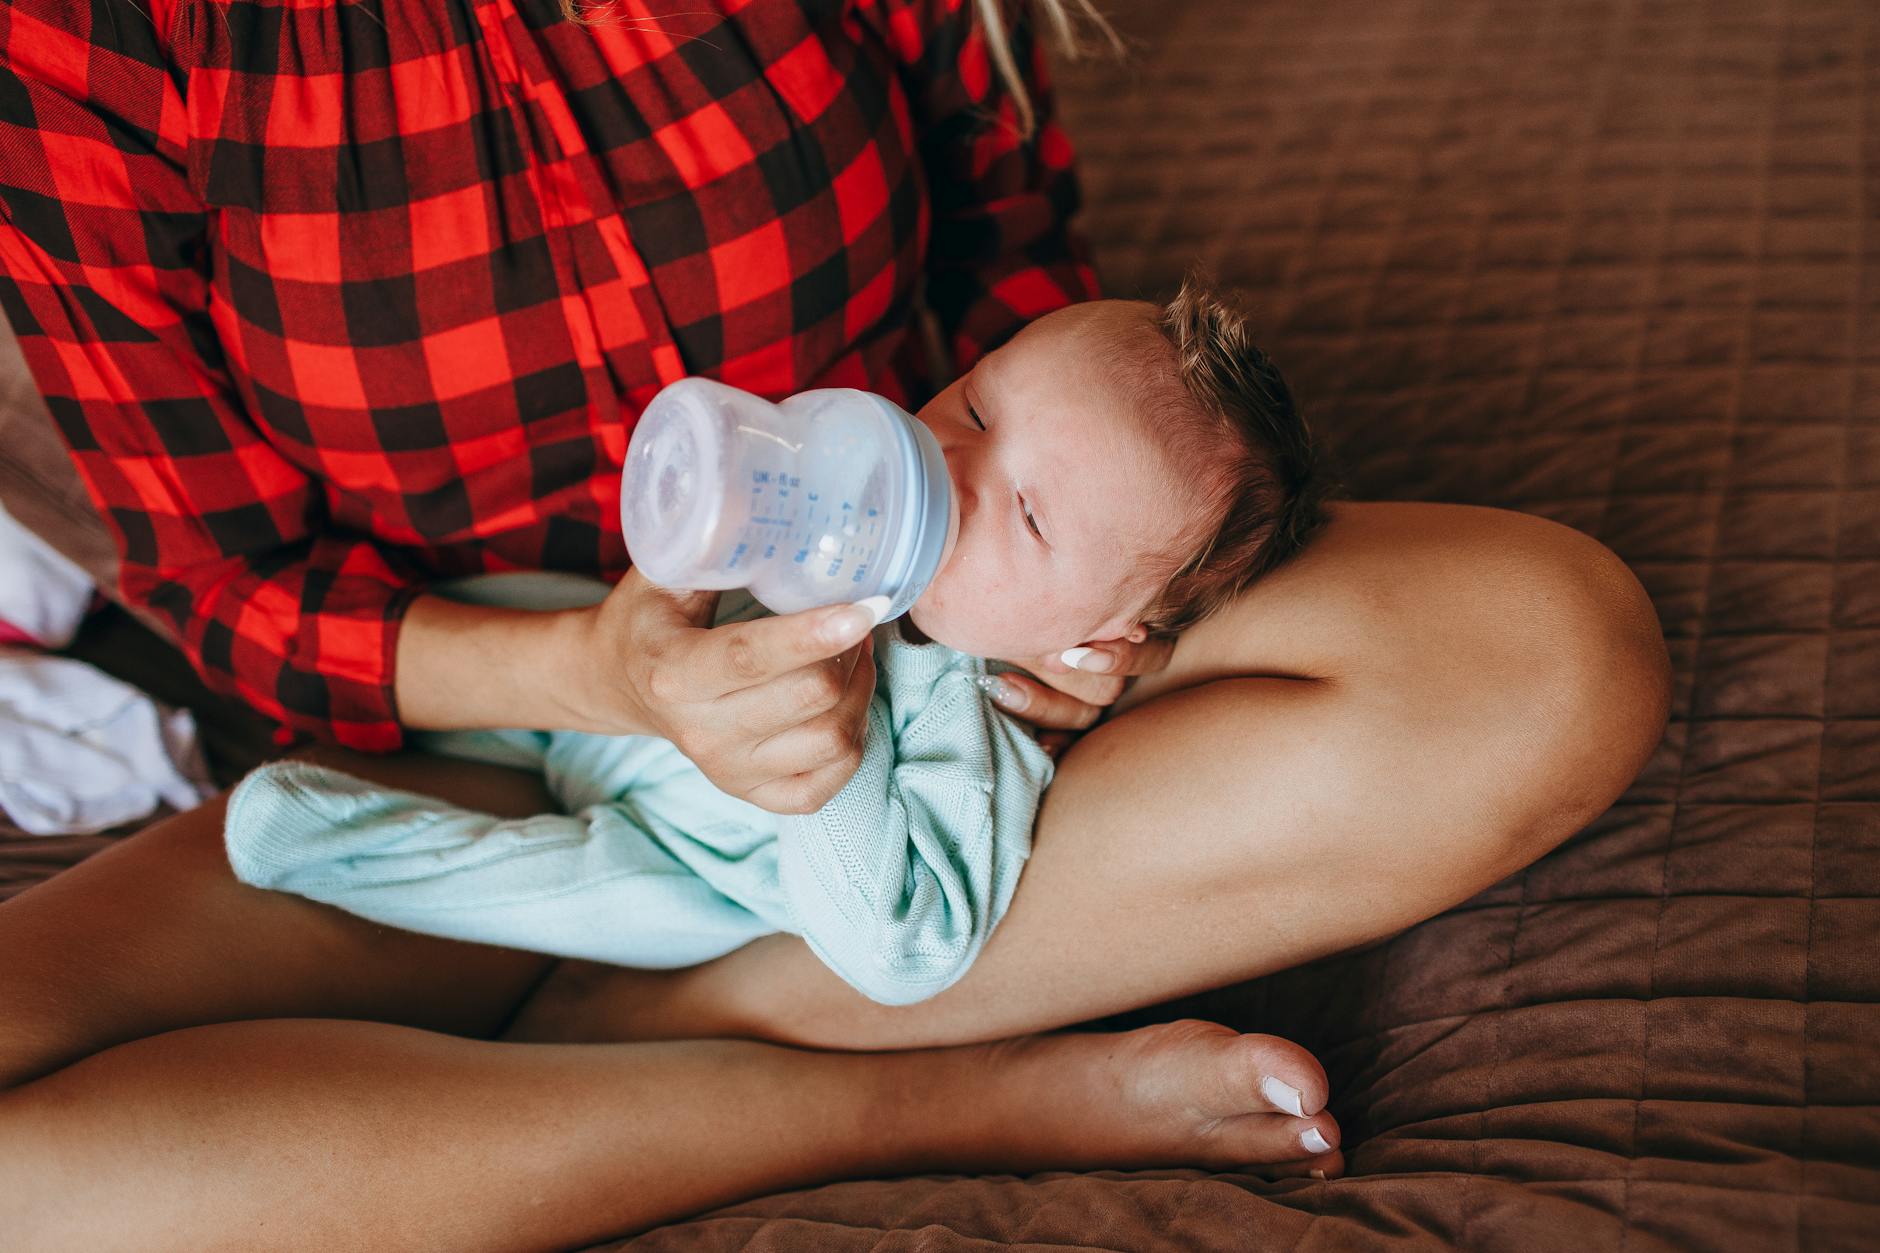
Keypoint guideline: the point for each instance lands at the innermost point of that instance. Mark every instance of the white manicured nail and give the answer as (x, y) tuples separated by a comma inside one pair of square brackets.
[(1314, 1142), (1283, 1097), (1008, 695), (849, 624), (1075, 657)]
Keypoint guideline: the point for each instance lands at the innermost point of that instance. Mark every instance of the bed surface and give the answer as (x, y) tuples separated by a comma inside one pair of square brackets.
[(1615, 263)]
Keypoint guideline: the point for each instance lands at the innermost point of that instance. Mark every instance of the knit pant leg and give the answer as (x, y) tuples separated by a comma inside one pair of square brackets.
[(593, 885)]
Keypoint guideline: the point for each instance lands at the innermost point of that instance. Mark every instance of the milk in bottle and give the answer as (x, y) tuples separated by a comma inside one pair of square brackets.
[(830, 496)]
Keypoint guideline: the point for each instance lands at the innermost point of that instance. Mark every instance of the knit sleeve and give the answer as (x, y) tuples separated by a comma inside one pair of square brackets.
[(898, 881)]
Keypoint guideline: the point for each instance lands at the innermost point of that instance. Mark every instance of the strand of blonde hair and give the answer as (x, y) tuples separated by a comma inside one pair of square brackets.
[(1063, 17)]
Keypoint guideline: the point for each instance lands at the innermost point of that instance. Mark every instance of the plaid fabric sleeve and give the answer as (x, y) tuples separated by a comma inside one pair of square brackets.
[(103, 274), (1003, 249)]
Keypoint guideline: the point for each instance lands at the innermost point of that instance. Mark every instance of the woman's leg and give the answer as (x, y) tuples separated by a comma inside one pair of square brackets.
[(1425, 700), (155, 934), (347, 1135), (138, 1094)]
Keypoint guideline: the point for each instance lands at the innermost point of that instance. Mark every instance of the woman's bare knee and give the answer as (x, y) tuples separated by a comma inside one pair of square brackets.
[(1510, 621), (155, 933), (59, 979), (1601, 681)]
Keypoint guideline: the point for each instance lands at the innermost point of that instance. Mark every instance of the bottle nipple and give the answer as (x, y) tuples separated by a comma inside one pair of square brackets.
[(953, 525)]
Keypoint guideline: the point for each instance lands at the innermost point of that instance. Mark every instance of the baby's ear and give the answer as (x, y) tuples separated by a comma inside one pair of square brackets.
[(1123, 628)]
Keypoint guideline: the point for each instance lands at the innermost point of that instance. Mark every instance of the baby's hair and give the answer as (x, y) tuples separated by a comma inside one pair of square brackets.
[(1236, 423)]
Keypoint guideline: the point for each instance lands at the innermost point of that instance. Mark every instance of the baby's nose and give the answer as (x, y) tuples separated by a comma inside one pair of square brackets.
[(956, 465), (964, 497)]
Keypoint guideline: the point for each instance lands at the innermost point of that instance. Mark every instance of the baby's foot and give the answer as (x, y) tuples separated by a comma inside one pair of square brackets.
[(1186, 1093)]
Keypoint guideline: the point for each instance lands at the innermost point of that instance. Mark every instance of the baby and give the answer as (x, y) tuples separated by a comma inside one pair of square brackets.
[(1118, 465)]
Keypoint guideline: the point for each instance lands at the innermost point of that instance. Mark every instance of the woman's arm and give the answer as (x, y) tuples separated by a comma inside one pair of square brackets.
[(770, 710), (104, 273), (467, 667)]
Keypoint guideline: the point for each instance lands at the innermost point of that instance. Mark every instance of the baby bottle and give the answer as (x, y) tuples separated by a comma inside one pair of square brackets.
[(831, 496)]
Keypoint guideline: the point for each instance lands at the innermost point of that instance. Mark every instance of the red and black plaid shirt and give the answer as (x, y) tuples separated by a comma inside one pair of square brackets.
[(334, 299)]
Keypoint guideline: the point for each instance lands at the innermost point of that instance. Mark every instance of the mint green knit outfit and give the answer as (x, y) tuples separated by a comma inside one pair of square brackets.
[(896, 883)]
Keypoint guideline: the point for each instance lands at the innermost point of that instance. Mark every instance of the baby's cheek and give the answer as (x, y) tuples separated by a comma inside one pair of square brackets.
[(1014, 622), (971, 609)]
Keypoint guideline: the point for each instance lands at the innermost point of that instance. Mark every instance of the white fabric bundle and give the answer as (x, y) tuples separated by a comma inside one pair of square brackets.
[(43, 596), (81, 752)]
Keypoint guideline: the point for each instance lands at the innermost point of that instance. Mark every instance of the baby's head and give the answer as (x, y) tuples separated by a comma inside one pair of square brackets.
[(1117, 464)]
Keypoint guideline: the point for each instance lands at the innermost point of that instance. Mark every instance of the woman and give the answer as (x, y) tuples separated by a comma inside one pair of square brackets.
[(332, 301)]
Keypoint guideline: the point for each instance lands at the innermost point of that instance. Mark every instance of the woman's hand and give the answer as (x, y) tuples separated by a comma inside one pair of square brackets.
[(772, 711), (1063, 701)]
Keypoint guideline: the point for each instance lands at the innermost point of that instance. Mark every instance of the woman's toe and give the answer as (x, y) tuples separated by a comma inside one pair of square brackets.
[(1238, 1099), (1271, 1075), (1275, 1138), (1328, 1166)]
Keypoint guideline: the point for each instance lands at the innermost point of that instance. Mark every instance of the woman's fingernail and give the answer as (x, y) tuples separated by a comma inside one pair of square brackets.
[(862, 616), (1007, 695), (1283, 1097), (1319, 1175), (1314, 1141), (1088, 660)]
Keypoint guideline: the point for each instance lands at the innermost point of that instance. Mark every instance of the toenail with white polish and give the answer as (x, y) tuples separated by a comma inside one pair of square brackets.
[(1283, 1096), (1314, 1141)]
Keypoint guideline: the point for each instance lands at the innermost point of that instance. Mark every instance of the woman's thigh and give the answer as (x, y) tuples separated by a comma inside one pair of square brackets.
[(1424, 701), (156, 933)]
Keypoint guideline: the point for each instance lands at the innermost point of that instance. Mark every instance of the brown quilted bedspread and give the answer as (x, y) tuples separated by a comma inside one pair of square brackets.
[(1616, 262)]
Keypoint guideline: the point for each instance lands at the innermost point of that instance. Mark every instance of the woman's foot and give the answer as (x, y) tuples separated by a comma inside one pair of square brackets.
[(1187, 1093), (1180, 1094)]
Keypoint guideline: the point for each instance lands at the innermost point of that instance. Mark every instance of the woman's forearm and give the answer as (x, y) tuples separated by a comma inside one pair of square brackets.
[(463, 667)]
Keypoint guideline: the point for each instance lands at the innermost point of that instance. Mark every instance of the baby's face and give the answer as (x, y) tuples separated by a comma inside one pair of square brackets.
[(1062, 441)]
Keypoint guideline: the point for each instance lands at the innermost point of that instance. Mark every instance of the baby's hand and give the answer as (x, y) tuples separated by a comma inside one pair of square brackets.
[(1064, 700)]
